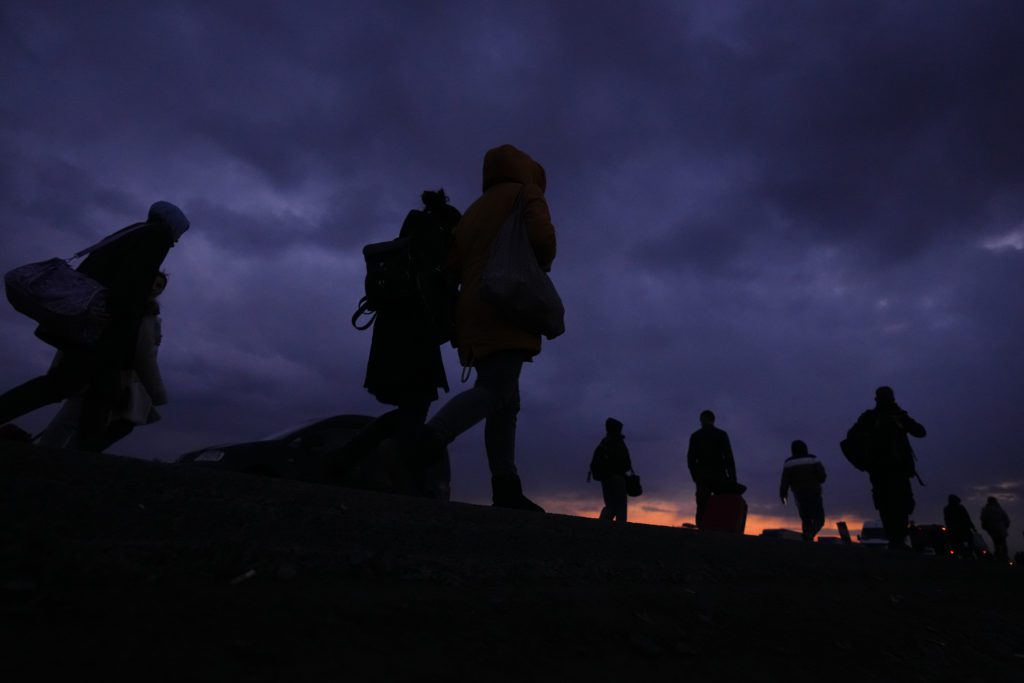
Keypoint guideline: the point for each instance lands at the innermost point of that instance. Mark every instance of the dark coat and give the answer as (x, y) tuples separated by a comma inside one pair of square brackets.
[(127, 267), (405, 364), (611, 458), (885, 429), (994, 520), (709, 456), (957, 520), (804, 474)]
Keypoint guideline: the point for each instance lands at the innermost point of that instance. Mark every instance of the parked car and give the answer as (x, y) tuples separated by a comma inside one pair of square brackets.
[(299, 452), (872, 535), (308, 451)]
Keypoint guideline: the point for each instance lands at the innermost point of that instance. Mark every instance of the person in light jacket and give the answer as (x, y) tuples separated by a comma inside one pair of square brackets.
[(494, 346), (804, 474)]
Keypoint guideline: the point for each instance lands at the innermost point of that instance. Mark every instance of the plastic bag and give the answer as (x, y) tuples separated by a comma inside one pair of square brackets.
[(515, 284)]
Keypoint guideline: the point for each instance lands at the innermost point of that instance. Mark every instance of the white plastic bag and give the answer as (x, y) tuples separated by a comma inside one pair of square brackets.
[(515, 284)]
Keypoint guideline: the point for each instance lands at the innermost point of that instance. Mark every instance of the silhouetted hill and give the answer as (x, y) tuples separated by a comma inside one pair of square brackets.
[(121, 568)]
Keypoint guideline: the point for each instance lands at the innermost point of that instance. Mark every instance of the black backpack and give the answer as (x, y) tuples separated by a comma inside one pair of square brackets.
[(408, 272)]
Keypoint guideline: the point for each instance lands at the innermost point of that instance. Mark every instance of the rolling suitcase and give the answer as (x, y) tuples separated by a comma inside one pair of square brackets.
[(726, 512)]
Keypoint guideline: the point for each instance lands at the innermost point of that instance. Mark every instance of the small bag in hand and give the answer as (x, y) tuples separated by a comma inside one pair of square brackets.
[(633, 487), (515, 284)]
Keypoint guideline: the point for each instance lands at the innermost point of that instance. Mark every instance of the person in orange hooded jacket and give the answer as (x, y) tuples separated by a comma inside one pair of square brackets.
[(494, 346)]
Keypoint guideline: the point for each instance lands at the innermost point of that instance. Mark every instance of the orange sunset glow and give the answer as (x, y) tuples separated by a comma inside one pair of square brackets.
[(669, 512)]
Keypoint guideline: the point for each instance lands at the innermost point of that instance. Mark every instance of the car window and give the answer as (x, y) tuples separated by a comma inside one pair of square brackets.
[(329, 438), (291, 431)]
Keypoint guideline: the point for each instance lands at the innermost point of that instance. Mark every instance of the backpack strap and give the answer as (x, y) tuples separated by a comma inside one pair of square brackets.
[(363, 309)]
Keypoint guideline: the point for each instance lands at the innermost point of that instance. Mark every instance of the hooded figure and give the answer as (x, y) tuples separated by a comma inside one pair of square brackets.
[(610, 465), (804, 474), (126, 263), (959, 524), (996, 522), (495, 347)]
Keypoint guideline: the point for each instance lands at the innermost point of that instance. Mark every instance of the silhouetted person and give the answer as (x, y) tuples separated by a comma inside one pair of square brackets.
[(405, 368), (804, 474), (127, 267), (884, 430), (493, 345), (610, 465), (710, 460), (996, 522), (142, 389), (959, 525)]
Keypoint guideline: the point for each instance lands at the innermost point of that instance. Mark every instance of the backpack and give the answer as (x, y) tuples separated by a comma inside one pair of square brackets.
[(598, 463), (855, 449), (408, 271)]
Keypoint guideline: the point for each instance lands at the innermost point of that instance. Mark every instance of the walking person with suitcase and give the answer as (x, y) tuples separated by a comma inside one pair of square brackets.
[(710, 461)]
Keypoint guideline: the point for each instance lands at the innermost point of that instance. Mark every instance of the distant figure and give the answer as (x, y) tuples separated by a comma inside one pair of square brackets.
[(493, 345), (710, 460), (610, 465), (127, 266), (405, 368), (805, 474), (996, 522), (884, 429), (961, 528), (142, 388)]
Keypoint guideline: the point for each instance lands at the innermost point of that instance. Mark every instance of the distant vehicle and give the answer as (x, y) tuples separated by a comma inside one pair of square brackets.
[(872, 535), (307, 451), (782, 534), (300, 452)]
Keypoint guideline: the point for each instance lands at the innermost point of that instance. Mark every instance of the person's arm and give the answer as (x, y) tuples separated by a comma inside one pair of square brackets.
[(730, 463), (691, 458), (626, 462), (911, 426), (820, 472), (539, 229), (784, 485)]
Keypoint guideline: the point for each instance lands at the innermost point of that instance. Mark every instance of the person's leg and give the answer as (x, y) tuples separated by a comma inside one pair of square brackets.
[(60, 433), (64, 380), (803, 509), (98, 403), (497, 384), (999, 543), (619, 498), (608, 511), (702, 495), (115, 431)]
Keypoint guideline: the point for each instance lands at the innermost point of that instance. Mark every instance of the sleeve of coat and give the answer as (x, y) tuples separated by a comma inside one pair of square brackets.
[(820, 473), (913, 427), (146, 366), (539, 229), (784, 483), (691, 459), (730, 462)]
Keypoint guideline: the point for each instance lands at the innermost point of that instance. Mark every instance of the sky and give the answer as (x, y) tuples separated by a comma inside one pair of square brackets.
[(766, 209)]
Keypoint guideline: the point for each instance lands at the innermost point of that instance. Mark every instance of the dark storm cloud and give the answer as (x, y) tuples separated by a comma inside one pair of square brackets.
[(763, 208)]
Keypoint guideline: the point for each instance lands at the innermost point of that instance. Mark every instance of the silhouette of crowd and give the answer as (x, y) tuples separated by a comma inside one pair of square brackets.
[(476, 280)]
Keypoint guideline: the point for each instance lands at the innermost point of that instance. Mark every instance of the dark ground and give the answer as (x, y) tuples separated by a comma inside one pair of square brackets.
[(116, 568)]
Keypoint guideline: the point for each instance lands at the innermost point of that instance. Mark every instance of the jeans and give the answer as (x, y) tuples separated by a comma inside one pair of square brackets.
[(494, 398)]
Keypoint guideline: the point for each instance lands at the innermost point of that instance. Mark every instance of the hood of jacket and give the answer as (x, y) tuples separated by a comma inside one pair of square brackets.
[(506, 164), (171, 216)]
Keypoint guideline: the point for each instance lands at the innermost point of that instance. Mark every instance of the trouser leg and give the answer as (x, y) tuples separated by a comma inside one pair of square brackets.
[(63, 381), (703, 495), (494, 398)]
